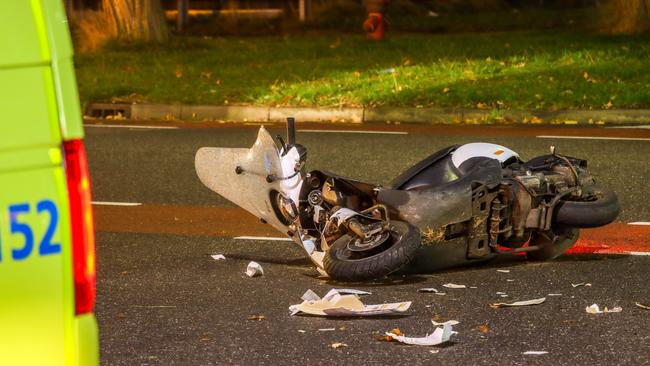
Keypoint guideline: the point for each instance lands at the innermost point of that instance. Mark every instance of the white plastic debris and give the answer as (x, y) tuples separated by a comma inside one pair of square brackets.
[(510, 280), (427, 289), (503, 270), (440, 293), (535, 352), (554, 295), (586, 284), (336, 304), (519, 303), (448, 322), (310, 295), (595, 309), (327, 329), (302, 331), (473, 287), (439, 336), (502, 294), (642, 306), (453, 285), (218, 257), (349, 291), (254, 269), (338, 345)]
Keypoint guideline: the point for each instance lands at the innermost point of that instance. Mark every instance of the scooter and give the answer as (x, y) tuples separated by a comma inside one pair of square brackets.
[(461, 205)]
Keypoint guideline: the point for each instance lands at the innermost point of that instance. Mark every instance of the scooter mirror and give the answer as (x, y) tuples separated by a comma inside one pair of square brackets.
[(291, 131)]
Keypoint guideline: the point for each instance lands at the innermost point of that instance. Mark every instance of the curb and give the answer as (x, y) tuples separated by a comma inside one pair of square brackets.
[(367, 115)]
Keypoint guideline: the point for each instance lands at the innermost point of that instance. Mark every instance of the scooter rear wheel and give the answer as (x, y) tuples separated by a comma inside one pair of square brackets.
[(397, 249)]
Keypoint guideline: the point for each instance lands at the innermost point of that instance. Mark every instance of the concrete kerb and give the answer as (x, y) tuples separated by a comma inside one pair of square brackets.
[(374, 114)]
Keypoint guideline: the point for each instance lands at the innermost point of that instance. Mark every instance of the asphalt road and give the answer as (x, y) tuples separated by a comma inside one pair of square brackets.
[(162, 300)]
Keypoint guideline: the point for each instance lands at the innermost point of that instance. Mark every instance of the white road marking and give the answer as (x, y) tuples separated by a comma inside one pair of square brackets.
[(106, 203), (634, 127), (135, 126), (358, 131), (639, 223), (595, 138), (266, 238)]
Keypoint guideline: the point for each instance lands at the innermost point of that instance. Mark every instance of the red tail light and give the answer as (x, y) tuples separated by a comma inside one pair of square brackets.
[(81, 222)]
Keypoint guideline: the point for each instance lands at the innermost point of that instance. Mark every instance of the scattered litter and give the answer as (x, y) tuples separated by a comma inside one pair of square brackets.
[(427, 289), (440, 335), (349, 291), (254, 269), (587, 284), (519, 303), (503, 270), (510, 280), (453, 285), (257, 317), (535, 352), (302, 331), (310, 296), (338, 345), (595, 309), (642, 306), (327, 329), (554, 295), (218, 257), (483, 329), (473, 287), (502, 294), (336, 304), (434, 351), (448, 322), (440, 293)]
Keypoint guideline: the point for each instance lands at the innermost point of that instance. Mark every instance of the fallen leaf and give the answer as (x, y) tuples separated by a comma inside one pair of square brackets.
[(483, 329)]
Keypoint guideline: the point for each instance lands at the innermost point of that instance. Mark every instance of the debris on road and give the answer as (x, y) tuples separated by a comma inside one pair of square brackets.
[(535, 352), (554, 295), (595, 309), (338, 345), (336, 304), (302, 331), (503, 270), (510, 280), (257, 317), (428, 289), (218, 257), (642, 306), (585, 284), (254, 269), (483, 328), (434, 351), (448, 322), (519, 303), (453, 285), (439, 336), (502, 294), (349, 291), (326, 329)]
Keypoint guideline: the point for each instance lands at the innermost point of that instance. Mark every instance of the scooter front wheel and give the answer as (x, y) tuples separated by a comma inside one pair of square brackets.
[(396, 248)]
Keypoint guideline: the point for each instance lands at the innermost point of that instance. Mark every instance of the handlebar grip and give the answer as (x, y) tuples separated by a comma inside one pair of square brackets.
[(291, 131)]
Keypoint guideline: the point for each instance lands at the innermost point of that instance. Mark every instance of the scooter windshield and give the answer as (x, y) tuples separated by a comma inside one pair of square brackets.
[(241, 175)]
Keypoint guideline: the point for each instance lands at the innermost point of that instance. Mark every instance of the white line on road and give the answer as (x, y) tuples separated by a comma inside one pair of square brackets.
[(358, 131), (634, 127), (595, 138), (639, 223), (106, 203), (266, 238), (135, 126)]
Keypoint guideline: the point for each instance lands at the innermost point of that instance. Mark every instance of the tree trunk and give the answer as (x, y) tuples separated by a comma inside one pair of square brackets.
[(630, 16), (135, 20)]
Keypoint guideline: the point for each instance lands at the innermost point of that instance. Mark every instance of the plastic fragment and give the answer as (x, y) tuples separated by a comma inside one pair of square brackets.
[(519, 303), (535, 352), (254, 269), (427, 289), (453, 285), (642, 306), (503, 270), (595, 309), (338, 345), (439, 336), (586, 284), (218, 257)]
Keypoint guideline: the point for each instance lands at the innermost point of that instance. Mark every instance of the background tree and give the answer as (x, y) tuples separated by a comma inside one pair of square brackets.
[(629, 16), (135, 20)]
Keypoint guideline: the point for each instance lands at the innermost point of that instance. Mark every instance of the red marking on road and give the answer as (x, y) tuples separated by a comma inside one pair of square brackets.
[(617, 238)]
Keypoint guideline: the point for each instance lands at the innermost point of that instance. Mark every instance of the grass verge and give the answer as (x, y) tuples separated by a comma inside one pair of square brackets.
[(528, 70)]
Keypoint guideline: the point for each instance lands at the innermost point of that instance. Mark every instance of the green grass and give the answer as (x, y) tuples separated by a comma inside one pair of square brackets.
[(531, 70)]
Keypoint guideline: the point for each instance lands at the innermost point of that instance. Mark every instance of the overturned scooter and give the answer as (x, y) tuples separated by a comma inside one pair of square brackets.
[(463, 204)]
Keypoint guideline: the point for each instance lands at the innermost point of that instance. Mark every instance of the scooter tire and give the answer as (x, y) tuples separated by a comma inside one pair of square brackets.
[(586, 214), (405, 243), (565, 238)]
